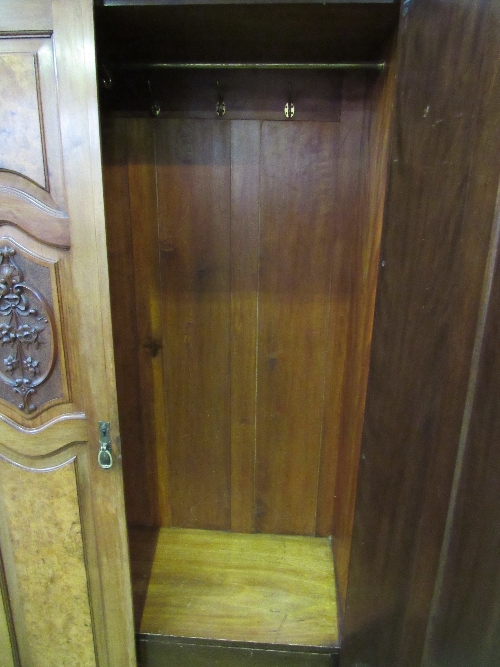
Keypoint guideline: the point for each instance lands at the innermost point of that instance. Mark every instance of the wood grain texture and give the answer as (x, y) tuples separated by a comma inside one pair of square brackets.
[(297, 170), (263, 589), (465, 629), (433, 258), (194, 221), (465, 626), (148, 312), (26, 15), (116, 147), (49, 561), (245, 233), (349, 194), (31, 169), (368, 114), (89, 333), (21, 146), (300, 230)]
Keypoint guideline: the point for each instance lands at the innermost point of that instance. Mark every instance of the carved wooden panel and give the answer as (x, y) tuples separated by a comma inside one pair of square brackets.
[(42, 540), (31, 366), (31, 170)]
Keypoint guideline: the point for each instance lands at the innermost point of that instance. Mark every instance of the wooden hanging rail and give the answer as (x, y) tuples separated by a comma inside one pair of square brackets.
[(378, 65)]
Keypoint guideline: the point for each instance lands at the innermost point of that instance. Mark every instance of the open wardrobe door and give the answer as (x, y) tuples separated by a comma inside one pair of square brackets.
[(64, 563)]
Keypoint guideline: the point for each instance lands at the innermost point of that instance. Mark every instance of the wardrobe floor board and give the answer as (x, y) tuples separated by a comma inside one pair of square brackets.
[(270, 590)]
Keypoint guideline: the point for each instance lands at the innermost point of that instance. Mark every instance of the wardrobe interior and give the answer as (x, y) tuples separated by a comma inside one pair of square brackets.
[(243, 257)]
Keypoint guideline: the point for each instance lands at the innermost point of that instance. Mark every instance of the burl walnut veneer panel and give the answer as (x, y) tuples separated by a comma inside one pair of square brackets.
[(42, 526)]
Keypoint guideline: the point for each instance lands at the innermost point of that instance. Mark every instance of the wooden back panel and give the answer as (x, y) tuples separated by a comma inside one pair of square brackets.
[(238, 277)]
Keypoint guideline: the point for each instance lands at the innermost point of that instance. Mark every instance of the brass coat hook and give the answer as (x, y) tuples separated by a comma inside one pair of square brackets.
[(106, 78), (221, 105), (155, 105), (289, 107)]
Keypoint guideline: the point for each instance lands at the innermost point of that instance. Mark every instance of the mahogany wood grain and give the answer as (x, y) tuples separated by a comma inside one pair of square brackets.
[(299, 234), (363, 199), (115, 140), (297, 171), (247, 94), (148, 313), (433, 257), (464, 628), (91, 510), (245, 232), (350, 205), (193, 171), (258, 589)]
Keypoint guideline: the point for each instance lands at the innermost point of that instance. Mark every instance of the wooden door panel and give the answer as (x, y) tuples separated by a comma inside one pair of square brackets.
[(33, 373), (31, 170), (45, 561), (62, 535)]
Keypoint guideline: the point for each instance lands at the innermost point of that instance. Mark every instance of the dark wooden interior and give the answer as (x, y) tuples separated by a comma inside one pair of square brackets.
[(244, 254)]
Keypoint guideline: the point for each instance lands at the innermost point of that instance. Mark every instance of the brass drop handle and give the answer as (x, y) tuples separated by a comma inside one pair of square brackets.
[(105, 456)]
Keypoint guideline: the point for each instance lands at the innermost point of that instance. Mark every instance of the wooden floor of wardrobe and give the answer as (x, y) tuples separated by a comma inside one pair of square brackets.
[(272, 593)]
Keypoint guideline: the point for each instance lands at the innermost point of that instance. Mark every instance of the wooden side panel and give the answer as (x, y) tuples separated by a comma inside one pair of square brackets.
[(464, 628), (193, 166), (47, 561), (433, 258), (18, 74), (297, 172), (367, 112)]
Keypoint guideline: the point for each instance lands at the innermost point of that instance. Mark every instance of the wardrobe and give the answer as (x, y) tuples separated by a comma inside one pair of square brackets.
[(248, 276)]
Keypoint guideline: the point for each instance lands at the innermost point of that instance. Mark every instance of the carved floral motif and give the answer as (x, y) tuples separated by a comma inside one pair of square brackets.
[(26, 326)]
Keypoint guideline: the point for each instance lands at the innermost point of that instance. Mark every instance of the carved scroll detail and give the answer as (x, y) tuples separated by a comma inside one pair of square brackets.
[(26, 324)]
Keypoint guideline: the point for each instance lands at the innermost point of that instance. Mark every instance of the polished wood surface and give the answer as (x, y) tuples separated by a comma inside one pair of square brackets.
[(465, 626), (245, 240), (437, 226), (297, 222), (259, 589), (263, 324), (194, 219), (48, 560), (359, 279), (31, 169), (67, 523)]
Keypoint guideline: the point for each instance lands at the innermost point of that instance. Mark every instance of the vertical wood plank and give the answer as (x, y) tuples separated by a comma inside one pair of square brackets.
[(152, 444), (115, 146), (193, 163), (368, 112), (349, 197), (464, 623), (245, 156), (297, 170)]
